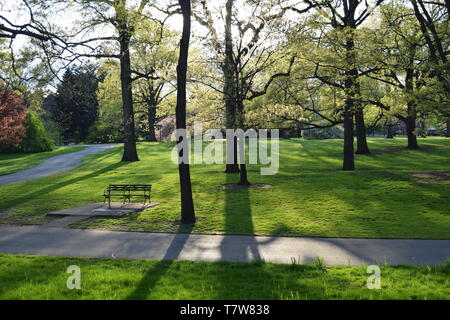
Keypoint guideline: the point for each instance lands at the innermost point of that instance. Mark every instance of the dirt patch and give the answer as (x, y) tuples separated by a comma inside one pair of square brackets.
[(8, 212), (178, 222), (432, 176), (235, 186), (23, 220)]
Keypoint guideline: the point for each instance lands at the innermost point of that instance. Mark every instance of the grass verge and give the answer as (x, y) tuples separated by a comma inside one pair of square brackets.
[(42, 277), (310, 195)]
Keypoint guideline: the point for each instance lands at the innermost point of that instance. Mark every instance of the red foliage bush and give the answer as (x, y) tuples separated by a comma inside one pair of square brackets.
[(13, 116)]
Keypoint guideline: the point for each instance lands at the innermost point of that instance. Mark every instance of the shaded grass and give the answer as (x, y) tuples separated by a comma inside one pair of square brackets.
[(310, 196), (10, 163), (41, 277)]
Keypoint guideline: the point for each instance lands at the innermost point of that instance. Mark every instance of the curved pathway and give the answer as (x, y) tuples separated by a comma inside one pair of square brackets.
[(54, 165)]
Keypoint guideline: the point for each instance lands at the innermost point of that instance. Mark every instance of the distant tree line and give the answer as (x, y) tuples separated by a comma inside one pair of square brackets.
[(74, 106)]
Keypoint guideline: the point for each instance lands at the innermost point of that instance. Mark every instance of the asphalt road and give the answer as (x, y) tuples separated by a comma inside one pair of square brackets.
[(54, 165), (56, 241)]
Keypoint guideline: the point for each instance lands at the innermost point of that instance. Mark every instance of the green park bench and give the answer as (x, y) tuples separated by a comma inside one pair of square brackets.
[(127, 191)]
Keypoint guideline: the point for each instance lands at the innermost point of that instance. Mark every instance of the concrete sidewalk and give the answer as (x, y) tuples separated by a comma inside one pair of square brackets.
[(54, 165), (55, 241)]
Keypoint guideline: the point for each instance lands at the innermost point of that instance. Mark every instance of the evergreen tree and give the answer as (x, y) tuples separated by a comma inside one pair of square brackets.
[(75, 105)]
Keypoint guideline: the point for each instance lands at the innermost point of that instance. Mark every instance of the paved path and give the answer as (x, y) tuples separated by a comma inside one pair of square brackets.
[(54, 165), (56, 241)]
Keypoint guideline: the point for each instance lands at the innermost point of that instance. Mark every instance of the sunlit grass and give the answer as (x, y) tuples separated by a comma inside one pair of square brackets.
[(41, 277), (310, 196)]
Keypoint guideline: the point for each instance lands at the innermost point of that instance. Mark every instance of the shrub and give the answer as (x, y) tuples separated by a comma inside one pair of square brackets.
[(13, 116), (36, 137), (325, 133), (102, 133)]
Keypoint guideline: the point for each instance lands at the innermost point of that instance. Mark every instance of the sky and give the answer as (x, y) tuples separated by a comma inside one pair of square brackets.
[(68, 18)]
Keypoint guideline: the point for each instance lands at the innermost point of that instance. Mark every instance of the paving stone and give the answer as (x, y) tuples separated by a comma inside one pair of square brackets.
[(118, 209), (64, 221)]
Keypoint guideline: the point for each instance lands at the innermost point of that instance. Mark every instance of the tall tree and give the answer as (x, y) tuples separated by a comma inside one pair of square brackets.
[(109, 127), (247, 59), (154, 59), (57, 115), (434, 18), (187, 203), (402, 67), (121, 16), (76, 107), (346, 16), (224, 55)]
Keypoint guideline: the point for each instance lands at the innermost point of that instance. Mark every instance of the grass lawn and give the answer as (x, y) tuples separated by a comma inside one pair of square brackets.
[(41, 277), (310, 196), (10, 163)]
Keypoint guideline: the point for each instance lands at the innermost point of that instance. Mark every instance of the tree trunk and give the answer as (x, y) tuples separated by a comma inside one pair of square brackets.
[(361, 141), (411, 132), (229, 87), (230, 110), (151, 123), (390, 132), (412, 114), (243, 180), (129, 150), (349, 159), (230, 120), (350, 90), (447, 132), (233, 167), (187, 203)]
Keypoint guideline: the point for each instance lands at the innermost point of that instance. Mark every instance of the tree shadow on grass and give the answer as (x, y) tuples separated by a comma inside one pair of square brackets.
[(387, 216), (157, 271), (238, 219), (30, 196)]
